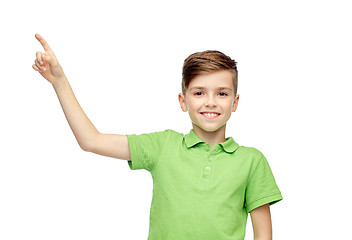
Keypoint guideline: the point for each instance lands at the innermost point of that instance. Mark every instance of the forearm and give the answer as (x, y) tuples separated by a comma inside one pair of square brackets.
[(81, 126)]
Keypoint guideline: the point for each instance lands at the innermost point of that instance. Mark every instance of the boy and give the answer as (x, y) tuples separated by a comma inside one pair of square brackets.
[(204, 185)]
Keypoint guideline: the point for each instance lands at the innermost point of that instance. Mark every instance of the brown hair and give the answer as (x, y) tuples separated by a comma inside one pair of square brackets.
[(207, 62)]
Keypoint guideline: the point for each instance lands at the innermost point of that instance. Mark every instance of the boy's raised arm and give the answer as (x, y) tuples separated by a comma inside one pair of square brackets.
[(88, 137)]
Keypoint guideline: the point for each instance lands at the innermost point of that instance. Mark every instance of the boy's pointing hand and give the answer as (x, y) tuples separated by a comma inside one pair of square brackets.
[(46, 63)]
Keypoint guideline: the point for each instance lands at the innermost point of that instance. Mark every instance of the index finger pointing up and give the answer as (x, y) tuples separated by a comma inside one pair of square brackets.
[(43, 42)]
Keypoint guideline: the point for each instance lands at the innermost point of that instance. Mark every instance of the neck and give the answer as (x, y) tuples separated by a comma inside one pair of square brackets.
[(211, 138)]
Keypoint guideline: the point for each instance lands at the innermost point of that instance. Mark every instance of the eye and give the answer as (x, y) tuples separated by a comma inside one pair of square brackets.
[(198, 93), (223, 94)]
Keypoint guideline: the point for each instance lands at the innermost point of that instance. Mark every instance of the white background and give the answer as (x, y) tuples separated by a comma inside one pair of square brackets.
[(124, 62)]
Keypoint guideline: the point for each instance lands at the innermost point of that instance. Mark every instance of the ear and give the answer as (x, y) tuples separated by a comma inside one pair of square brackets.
[(235, 103), (182, 100)]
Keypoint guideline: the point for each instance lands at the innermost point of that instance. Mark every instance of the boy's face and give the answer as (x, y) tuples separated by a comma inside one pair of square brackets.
[(210, 100)]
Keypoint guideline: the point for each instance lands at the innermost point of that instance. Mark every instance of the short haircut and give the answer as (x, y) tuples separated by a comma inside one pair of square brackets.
[(207, 62)]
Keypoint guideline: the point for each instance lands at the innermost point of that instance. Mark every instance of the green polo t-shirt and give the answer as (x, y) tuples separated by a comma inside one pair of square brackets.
[(201, 193)]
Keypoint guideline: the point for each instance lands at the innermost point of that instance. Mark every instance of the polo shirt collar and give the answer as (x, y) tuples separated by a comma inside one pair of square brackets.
[(229, 145), (192, 139)]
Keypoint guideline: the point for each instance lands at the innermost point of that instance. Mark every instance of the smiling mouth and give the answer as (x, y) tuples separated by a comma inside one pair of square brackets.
[(210, 115)]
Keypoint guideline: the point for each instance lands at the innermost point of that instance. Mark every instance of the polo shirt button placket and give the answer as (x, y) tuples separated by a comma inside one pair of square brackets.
[(206, 175), (208, 166), (207, 170)]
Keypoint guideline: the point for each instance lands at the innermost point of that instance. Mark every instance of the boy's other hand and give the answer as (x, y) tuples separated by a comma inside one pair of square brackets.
[(47, 64)]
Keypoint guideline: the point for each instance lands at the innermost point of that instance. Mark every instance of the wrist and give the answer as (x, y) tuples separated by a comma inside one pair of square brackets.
[(60, 82)]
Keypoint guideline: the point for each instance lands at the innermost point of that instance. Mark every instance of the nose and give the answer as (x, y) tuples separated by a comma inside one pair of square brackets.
[(210, 101)]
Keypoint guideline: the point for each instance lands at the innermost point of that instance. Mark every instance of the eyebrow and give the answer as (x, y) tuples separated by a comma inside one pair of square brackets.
[(219, 88)]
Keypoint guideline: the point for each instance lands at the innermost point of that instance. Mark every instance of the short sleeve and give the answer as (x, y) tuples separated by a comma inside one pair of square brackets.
[(261, 187), (145, 149)]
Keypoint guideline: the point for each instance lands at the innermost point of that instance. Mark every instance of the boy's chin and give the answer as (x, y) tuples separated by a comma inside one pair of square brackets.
[(209, 129)]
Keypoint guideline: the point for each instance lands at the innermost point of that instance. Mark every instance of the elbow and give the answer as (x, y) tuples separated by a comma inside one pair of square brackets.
[(85, 147), (263, 237), (88, 144)]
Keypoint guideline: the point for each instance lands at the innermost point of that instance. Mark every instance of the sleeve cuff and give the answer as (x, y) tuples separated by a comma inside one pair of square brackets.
[(133, 163), (271, 199)]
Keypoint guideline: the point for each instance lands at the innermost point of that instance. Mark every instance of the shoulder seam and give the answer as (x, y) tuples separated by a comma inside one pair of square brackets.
[(250, 177)]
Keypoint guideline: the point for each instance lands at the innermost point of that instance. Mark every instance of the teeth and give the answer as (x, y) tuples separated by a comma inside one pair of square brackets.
[(210, 114)]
